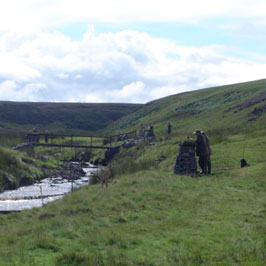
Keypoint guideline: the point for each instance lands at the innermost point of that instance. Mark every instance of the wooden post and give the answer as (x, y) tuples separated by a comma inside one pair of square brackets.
[(72, 181), (71, 143), (41, 195)]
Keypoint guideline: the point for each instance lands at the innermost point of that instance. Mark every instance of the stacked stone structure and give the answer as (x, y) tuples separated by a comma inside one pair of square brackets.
[(186, 161)]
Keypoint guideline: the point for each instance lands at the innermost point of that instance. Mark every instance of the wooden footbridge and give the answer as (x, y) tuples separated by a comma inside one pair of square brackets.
[(74, 141)]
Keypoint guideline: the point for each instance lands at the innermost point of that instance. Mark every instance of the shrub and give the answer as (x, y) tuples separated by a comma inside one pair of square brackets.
[(94, 179), (103, 175), (78, 258), (16, 169), (129, 166)]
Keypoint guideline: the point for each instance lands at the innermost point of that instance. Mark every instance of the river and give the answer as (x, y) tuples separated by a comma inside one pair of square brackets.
[(38, 194)]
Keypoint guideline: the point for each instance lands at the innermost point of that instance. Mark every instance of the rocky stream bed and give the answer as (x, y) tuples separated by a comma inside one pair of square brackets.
[(55, 186)]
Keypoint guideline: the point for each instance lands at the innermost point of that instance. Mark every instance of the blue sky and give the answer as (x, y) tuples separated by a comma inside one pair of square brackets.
[(127, 51), (243, 35)]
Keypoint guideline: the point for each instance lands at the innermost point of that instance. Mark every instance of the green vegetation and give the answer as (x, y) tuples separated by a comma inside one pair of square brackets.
[(213, 109), (151, 216), (11, 139), (61, 117), (148, 215), (16, 169)]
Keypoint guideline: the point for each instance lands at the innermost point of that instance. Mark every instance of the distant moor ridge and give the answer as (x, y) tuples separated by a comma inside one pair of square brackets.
[(23, 116), (224, 107)]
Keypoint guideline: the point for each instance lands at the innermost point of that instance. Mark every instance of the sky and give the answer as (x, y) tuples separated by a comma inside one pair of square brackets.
[(127, 51)]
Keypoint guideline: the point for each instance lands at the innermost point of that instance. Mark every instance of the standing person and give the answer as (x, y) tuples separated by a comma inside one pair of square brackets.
[(35, 135), (151, 131), (169, 128), (46, 136), (209, 152), (28, 137), (201, 150), (141, 130)]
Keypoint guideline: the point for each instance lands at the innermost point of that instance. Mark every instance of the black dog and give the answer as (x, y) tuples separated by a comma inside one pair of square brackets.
[(243, 163)]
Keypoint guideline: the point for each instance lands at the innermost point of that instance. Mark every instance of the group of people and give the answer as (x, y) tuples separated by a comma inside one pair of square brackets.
[(149, 133), (202, 145), (34, 136), (203, 151)]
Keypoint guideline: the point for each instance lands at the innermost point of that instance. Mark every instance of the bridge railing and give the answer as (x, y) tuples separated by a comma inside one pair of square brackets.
[(51, 138)]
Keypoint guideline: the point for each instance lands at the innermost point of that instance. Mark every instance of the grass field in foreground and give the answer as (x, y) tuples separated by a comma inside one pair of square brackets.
[(149, 216)]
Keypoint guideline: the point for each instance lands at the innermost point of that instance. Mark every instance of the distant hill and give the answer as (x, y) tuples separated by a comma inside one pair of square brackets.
[(232, 107), (23, 116), (226, 108)]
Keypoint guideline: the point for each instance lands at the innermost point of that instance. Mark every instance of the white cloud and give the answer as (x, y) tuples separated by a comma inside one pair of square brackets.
[(14, 67), (62, 75), (90, 98), (163, 91), (78, 76), (13, 91), (29, 14), (7, 89), (128, 66), (131, 93)]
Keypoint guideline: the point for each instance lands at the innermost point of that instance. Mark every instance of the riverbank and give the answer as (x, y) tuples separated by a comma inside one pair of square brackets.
[(56, 184), (17, 169)]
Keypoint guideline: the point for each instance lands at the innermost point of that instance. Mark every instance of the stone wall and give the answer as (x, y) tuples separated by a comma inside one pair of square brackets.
[(186, 161)]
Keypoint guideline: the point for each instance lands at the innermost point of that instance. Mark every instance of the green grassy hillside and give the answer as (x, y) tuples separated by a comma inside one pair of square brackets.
[(150, 216), (16, 169), (65, 117), (224, 108)]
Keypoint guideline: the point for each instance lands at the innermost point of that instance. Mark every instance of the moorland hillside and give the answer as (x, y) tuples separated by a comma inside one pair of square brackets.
[(230, 108), (61, 117), (150, 216)]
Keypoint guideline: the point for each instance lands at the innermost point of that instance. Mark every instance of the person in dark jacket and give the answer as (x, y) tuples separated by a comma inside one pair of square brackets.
[(169, 128), (209, 152), (201, 150), (46, 136), (151, 132), (141, 131)]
